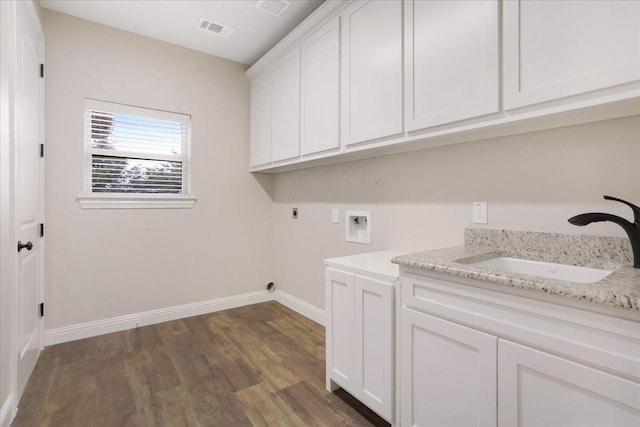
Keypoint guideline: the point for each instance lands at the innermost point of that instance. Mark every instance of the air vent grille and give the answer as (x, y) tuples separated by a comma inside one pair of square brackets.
[(212, 27), (273, 7)]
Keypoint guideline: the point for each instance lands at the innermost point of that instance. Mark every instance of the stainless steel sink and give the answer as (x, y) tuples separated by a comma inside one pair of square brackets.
[(544, 269)]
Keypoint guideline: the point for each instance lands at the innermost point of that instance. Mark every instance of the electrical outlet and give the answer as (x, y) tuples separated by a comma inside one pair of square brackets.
[(294, 213), (480, 213), (335, 218)]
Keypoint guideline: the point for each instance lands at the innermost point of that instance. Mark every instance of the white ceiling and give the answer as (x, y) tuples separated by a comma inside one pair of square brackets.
[(176, 22)]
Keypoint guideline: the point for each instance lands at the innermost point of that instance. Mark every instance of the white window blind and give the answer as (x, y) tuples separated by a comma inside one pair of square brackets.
[(136, 151)]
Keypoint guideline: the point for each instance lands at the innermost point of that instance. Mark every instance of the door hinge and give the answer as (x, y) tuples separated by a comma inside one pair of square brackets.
[(41, 150), (41, 229), (42, 70), (41, 309)]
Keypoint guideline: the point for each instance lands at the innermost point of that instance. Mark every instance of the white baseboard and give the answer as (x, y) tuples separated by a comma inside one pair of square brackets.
[(6, 412), (296, 304), (130, 321)]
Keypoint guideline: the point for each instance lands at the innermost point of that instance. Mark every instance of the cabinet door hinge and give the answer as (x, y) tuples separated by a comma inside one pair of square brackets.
[(42, 70), (41, 150), (41, 229), (41, 309)]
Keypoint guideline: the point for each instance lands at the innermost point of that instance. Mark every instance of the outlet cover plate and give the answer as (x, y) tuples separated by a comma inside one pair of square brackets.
[(480, 213), (335, 215)]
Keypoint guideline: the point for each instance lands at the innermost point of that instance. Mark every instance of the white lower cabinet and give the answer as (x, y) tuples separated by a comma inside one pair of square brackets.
[(539, 389), (374, 350), (472, 356), (340, 329), (360, 338), (448, 373)]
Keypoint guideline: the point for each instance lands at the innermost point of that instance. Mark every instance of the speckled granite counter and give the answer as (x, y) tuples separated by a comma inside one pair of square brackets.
[(620, 289)]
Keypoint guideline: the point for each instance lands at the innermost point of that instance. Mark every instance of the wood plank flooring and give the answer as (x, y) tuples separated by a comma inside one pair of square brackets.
[(259, 365)]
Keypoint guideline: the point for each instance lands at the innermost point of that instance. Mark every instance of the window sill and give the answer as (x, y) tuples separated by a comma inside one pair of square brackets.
[(135, 202)]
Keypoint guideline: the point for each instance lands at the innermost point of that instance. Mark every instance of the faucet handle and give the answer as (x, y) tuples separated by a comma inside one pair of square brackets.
[(636, 209)]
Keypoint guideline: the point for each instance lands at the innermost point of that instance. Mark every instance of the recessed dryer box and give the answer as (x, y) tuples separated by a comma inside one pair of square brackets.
[(359, 227)]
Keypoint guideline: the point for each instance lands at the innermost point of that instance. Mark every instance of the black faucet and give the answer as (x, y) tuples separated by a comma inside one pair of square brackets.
[(632, 228)]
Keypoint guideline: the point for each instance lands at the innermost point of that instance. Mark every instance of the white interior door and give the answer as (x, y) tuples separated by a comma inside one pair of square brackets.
[(28, 189)]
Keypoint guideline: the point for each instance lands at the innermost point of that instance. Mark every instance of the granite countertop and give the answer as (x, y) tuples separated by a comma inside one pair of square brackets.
[(620, 289)]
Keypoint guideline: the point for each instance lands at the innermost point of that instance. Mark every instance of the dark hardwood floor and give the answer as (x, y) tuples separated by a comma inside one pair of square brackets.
[(259, 365)]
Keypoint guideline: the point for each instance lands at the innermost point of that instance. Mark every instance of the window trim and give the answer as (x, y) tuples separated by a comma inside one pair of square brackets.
[(102, 200), (136, 202)]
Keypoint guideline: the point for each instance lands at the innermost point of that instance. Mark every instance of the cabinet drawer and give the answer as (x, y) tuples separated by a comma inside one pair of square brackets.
[(581, 335)]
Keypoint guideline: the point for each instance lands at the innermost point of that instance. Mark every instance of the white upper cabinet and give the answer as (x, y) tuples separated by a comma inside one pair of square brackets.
[(260, 120), (320, 97), (556, 49), (371, 70), (452, 61), (360, 75), (285, 122)]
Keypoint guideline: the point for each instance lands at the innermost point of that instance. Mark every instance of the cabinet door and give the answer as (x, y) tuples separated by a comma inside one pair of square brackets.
[(371, 70), (260, 120), (340, 338), (554, 49), (451, 59), (320, 116), (538, 389), (285, 142), (448, 373), (374, 340)]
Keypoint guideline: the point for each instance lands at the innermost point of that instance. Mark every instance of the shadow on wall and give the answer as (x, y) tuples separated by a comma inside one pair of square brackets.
[(267, 182), (570, 164)]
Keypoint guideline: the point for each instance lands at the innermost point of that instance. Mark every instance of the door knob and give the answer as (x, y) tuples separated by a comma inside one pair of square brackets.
[(22, 246)]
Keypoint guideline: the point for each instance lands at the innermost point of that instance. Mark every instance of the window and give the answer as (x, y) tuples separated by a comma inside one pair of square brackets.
[(135, 157)]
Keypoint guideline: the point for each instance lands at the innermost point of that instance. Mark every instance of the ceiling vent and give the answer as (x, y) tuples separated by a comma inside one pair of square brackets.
[(273, 7), (212, 27)]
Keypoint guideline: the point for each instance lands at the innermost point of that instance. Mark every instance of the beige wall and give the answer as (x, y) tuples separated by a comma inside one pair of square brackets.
[(106, 263), (422, 200)]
